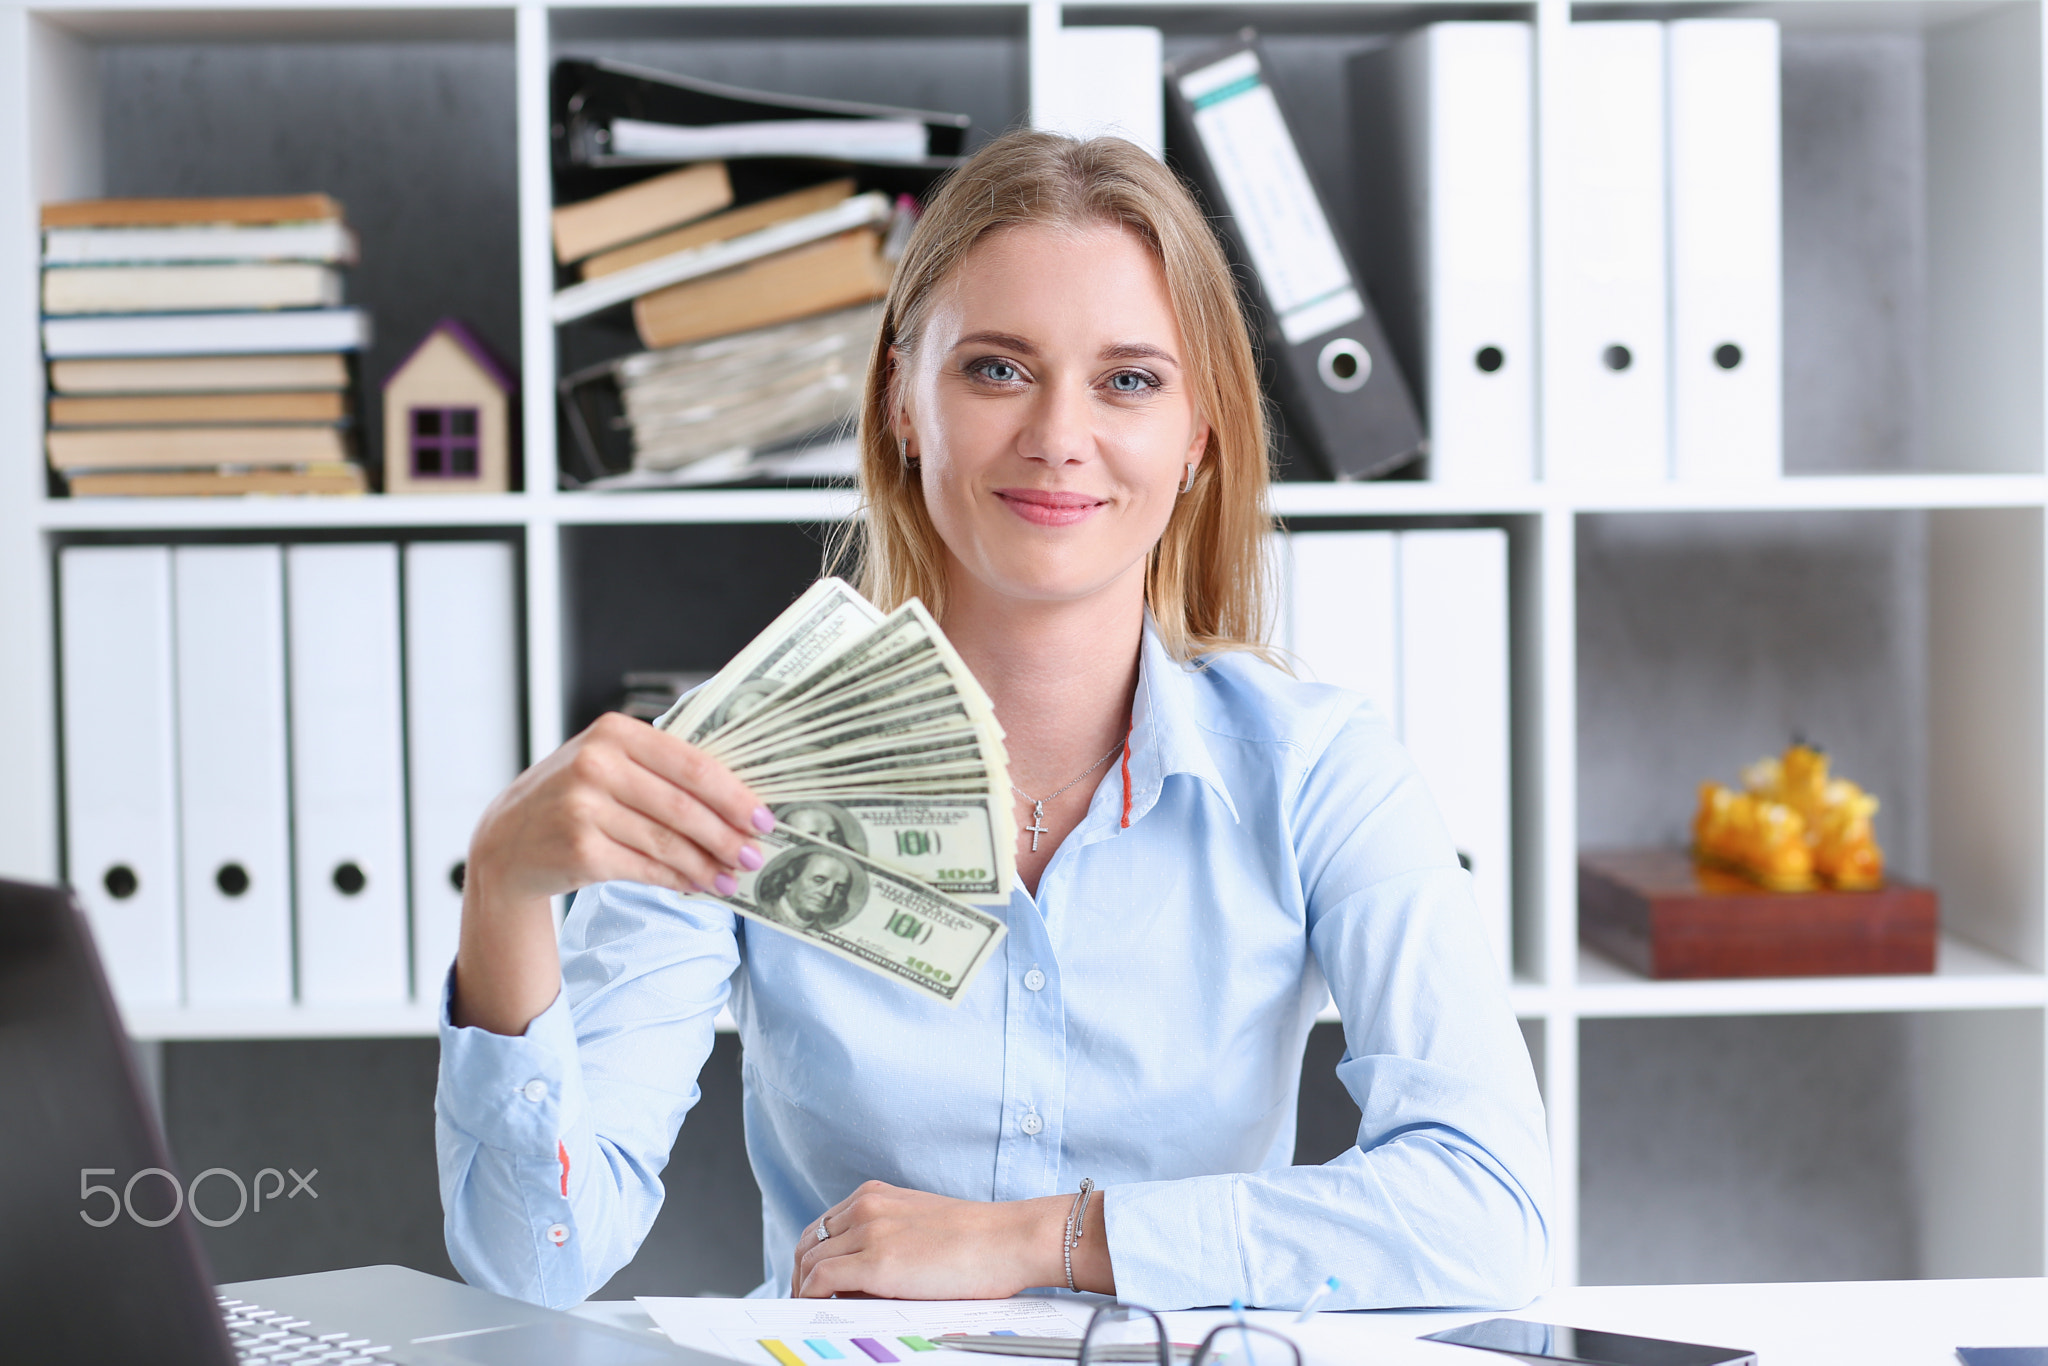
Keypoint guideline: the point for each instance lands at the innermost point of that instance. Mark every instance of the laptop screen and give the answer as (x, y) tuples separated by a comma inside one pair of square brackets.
[(100, 1261)]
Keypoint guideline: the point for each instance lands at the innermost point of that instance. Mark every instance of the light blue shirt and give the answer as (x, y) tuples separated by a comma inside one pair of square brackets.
[(1142, 1024)]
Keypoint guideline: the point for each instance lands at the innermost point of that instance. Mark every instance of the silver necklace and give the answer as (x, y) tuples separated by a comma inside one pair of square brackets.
[(1038, 826)]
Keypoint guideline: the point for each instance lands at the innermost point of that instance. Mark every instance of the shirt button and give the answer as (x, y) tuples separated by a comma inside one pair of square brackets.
[(1032, 1124), (1034, 980), (535, 1091), (558, 1234)]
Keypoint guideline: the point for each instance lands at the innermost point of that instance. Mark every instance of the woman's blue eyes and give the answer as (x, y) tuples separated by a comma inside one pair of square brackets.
[(1123, 382)]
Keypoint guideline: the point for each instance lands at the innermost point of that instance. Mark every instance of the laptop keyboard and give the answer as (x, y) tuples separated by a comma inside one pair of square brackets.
[(263, 1336)]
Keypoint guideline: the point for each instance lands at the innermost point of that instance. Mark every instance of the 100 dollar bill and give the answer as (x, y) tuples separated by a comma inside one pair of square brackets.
[(817, 626), (950, 842), (885, 921)]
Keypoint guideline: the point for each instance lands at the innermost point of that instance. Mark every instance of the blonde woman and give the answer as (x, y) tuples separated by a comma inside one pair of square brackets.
[(1064, 455)]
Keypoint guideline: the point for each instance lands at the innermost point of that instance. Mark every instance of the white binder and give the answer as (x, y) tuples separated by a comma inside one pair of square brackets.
[(1447, 174), (1721, 78), (232, 774), (348, 784), (1103, 81), (120, 762), (1455, 705), (1605, 410), (462, 723), (1343, 599)]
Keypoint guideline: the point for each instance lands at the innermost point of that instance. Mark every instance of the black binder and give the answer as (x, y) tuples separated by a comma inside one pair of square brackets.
[(586, 95), (1341, 392)]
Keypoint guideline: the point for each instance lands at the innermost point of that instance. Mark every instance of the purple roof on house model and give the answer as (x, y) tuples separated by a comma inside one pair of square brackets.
[(501, 374)]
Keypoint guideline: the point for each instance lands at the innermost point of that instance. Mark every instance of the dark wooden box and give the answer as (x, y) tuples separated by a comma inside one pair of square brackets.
[(1653, 910)]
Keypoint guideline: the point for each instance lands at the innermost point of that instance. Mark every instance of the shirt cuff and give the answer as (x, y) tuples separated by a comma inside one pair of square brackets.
[(519, 1093), (1169, 1240)]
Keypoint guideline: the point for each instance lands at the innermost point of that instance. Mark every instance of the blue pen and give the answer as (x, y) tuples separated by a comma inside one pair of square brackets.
[(1321, 1293)]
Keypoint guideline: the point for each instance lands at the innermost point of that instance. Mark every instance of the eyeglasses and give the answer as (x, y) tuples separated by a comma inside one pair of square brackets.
[(1227, 1344)]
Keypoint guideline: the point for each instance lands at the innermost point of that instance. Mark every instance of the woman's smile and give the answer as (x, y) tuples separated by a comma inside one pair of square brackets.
[(1051, 507)]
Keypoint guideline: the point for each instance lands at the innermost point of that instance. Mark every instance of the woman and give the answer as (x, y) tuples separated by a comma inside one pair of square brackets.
[(1064, 456)]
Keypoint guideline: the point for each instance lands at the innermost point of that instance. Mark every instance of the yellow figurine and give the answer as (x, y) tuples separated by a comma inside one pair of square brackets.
[(1793, 827)]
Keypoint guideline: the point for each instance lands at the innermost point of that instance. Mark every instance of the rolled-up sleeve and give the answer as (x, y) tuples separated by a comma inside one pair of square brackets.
[(551, 1143), (1442, 1201)]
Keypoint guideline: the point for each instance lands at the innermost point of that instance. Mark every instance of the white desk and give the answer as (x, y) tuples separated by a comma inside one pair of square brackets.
[(1843, 1323)]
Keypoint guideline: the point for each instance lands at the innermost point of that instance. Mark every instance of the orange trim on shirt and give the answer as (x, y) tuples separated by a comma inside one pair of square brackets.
[(1127, 777), (562, 1152)]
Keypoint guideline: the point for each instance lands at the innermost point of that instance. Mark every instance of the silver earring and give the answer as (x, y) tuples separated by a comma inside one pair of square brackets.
[(1189, 482), (903, 449)]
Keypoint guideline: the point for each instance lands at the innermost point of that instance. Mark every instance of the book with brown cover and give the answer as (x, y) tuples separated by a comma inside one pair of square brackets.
[(320, 478), (199, 374), (835, 273), (721, 226), (141, 213), (161, 448), (644, 207), (168, 410)]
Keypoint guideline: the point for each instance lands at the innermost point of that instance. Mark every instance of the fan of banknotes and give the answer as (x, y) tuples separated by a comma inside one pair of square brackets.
[(883, 762)]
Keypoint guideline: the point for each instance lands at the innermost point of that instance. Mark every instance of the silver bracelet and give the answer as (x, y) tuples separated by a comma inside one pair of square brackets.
[(1075, 1224)]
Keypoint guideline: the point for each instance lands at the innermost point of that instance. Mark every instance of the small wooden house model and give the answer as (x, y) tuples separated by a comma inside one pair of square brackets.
[(448, 417)]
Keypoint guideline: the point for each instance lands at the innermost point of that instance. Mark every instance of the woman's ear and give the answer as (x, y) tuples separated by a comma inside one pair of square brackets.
[(1198, 444), (899, 398)]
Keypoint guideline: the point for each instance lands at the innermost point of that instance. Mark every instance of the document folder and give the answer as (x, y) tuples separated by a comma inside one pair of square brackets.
[(232, 774), (1721, 77), (1455, 704), (1344, 613), (120, 761), (1343, 398), (1104, 82), (462, 723), (1605, 410), (348, 774), (586, 97), (1445, 153)]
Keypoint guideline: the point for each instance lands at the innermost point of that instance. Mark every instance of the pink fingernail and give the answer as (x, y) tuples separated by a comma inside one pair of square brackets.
[(764, 819), (750, 858), (726, 883)]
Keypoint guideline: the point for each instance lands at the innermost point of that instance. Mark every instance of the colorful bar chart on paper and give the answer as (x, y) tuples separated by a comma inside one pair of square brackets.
[(855, 1332)]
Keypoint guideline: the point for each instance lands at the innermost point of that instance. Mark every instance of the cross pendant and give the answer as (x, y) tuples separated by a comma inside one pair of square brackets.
[(1038, 826)]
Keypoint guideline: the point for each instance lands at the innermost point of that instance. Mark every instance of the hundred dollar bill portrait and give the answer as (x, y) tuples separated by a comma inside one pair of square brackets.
[(810, 889), (827, 821), (1026, 879), (747, 698)]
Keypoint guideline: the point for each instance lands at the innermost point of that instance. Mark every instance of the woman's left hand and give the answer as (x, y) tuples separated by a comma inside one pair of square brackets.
[(894, 1243)]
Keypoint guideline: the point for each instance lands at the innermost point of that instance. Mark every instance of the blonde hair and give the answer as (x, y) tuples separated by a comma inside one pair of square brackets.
[(1206, 579)]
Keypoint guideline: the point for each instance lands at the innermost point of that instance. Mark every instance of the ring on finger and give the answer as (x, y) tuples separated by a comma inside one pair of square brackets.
[(823, 1232)]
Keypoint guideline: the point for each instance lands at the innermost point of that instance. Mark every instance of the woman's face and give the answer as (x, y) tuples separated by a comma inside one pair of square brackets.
[(1048, 407)]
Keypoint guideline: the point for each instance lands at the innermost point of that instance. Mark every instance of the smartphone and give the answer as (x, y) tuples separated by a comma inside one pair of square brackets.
[(1587, 1346)]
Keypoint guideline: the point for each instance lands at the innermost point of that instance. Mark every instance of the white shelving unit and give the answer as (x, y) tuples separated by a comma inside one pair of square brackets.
[(1983, 491)]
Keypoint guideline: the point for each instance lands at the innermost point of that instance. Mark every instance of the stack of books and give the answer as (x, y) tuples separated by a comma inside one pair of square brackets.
[(200, 346), (750, 271)]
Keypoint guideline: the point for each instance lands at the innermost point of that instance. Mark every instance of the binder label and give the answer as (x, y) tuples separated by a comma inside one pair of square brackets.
[(1267, 189)]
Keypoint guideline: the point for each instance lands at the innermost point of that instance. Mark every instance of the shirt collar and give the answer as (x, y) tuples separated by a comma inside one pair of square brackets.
[(1167, 736)]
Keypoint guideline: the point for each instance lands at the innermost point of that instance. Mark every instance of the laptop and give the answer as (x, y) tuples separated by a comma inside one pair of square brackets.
[(78, 1286)]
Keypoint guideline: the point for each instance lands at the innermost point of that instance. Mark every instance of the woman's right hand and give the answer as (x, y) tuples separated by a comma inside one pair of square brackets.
[(622, 801)]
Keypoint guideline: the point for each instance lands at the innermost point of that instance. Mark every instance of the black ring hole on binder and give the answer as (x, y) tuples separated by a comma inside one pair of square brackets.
[(121, 882), (1727, 355), (1617, 357), (349, 879), (458, 874), (1489, 358), (232, 879)]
